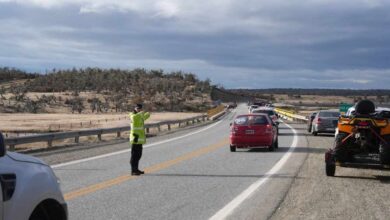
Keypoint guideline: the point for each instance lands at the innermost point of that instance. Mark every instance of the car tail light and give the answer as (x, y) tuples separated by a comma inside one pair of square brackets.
[(319, 121), (364, 123), (268, 129), (234, 130)]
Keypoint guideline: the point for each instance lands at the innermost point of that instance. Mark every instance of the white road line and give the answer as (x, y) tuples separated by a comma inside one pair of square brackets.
[(127, 150), (236, 202)]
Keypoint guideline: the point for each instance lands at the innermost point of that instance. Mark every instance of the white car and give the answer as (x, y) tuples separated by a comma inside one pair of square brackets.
[(30, 189), (253, 107)]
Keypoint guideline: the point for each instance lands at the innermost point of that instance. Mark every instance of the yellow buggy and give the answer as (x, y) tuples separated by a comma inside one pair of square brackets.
[(363, 140)]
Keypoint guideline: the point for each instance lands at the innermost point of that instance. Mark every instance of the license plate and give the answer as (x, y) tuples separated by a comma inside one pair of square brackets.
[(330, 129), (249, 131)]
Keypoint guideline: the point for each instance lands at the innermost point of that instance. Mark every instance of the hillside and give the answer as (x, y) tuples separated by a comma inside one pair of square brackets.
[(103, 90)]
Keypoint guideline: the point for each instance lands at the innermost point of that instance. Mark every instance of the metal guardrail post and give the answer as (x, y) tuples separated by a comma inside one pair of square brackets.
[(49, 143), (169, 127), (99, 137), (77, 139), (118, 134)]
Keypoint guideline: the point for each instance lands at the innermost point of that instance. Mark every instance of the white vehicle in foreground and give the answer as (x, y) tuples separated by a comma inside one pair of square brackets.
[(29, 188)]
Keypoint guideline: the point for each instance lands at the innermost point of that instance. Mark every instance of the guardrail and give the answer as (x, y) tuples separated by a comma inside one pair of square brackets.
[(215, 111), (50, 137), (290, 115)]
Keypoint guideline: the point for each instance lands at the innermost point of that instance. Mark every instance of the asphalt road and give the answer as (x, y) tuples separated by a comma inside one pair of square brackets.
[(189, 175)]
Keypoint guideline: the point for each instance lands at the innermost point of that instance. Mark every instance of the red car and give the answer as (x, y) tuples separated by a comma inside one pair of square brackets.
[(253, 131)]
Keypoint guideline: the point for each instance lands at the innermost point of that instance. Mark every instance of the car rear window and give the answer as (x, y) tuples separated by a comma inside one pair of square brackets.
[(251, 120), (269, 112), (329, 114)]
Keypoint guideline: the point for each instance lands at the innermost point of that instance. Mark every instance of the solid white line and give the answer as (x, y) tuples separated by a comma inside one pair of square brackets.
[(236, 202), (127, 150)]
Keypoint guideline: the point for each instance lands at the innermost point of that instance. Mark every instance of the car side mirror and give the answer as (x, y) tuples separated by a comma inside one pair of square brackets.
[(3, 149), (231, 124)]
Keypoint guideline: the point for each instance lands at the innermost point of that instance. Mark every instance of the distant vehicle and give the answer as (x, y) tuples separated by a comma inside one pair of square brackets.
[(310, 121), (259, 103), (270, 112), (252, 107), (232, 105), (325, 122), (378, 110), (30, 190), (253, 131)]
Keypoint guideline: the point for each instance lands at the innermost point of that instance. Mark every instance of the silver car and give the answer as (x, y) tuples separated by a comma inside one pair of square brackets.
[(29, 188), (325, 122)]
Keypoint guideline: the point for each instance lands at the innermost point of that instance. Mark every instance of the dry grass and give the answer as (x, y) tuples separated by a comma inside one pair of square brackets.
[(316, 99), (37, 123)]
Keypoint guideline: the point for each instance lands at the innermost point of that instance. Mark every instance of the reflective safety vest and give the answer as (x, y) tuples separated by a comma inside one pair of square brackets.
[(137, 127)]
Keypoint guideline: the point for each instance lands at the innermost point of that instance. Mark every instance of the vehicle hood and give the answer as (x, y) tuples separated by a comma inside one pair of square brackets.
[(25, 158)]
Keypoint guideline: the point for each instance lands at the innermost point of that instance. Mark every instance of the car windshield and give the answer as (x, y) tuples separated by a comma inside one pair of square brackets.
[(329, 114), (251, 120), (269, 112)]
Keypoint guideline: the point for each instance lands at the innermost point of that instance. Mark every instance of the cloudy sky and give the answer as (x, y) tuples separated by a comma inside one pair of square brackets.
[(238, 44)]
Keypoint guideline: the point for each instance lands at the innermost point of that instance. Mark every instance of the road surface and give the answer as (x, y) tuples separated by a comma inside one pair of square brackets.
[(189, 175)]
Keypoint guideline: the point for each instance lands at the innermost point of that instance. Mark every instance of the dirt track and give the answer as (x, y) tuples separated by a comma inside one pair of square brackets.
[(352, 194)]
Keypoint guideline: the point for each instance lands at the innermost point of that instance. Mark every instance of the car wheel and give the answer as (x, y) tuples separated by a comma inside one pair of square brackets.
[(313, 131), (272, 147), (232, 148), (276, 143), (384, 151)]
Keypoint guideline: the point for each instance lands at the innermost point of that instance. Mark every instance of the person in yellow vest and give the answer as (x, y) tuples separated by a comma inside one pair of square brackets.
[(137, 137)]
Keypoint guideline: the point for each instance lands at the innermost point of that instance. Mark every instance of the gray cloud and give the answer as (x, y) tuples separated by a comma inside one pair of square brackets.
[(252, 44)]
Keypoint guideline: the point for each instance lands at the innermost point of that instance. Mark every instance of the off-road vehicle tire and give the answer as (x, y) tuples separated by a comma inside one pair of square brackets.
[(330, 169), (384, 151), (340, 150)]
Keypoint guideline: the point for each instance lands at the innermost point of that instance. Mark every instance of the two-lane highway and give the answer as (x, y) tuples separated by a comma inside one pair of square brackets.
[(192, 175)]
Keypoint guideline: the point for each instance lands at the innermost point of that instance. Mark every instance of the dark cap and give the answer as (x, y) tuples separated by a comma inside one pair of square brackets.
[(139, 106)]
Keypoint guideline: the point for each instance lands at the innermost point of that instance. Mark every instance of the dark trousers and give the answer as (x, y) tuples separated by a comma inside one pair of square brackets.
[(136, 154)]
